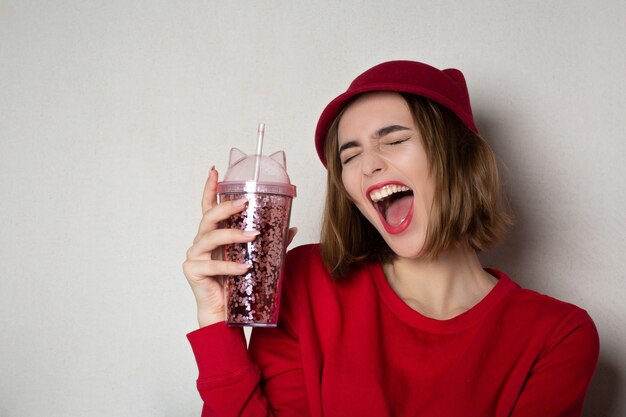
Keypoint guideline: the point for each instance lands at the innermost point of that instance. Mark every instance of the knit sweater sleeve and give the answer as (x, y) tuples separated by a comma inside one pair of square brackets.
[(559, 379), (228, 381)]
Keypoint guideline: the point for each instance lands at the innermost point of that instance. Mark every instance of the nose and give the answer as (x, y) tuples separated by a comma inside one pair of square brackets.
[(372, 163)]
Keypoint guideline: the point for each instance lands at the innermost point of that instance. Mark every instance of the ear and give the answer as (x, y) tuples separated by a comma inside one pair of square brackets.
[(236, 155), (280, 158)]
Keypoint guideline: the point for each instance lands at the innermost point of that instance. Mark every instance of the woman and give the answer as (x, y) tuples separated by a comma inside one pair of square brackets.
[(392, 313)]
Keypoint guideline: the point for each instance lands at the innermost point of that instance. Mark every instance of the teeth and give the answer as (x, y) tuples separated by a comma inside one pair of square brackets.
[(386, 191)]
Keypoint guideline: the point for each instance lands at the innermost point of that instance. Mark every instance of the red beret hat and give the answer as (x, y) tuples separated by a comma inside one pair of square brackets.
[(446, 87)]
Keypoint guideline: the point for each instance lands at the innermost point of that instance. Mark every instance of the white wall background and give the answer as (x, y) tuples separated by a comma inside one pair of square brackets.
[(112, 112)]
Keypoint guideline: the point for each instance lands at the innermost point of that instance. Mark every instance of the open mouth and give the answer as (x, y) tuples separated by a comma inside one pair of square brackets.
[(394, 203)]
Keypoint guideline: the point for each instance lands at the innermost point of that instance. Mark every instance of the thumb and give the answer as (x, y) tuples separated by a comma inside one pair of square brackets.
[(291, 235)]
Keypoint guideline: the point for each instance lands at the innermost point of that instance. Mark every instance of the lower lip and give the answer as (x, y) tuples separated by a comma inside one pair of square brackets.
[(399, 228)]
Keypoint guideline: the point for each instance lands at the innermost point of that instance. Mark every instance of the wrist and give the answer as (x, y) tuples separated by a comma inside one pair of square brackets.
[(206, 318)]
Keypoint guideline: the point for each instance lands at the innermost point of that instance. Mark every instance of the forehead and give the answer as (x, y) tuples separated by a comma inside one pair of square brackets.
[(372, 111)]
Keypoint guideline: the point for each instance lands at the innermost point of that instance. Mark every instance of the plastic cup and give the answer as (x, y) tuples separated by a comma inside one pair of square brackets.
[(253, 299)]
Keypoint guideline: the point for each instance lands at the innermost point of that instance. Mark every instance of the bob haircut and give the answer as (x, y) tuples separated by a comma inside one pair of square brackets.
[(467, 208)]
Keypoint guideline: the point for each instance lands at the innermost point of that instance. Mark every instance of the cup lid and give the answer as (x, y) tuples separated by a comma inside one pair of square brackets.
[(242, 169)]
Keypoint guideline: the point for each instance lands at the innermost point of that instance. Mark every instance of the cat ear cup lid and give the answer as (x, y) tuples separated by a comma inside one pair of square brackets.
[(272, 176)]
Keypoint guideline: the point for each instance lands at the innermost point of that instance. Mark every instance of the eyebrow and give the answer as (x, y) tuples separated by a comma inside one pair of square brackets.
[(348, 145), (384, 131)]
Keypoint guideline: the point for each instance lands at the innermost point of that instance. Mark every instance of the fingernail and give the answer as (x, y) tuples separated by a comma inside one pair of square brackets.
[(211, 170), (251, 233), (240, 202), (244, 267)]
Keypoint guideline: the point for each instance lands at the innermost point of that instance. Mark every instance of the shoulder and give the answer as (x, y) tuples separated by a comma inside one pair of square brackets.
[(305, 260), (304, 267), (306, 263), (306, 274), (536, 304), (554, 318), (308, 251), (310, 296)]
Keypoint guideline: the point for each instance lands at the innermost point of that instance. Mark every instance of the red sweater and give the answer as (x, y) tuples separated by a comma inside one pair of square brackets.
[(354, 348)]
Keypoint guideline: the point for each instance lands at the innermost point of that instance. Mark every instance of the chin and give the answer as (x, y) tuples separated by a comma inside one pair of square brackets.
[(407, 246), (407, 253)]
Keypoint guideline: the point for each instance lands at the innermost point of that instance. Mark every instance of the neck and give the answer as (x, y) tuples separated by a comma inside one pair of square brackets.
[(441, 288)]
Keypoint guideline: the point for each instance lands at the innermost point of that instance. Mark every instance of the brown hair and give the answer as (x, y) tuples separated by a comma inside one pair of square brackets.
[(467, 207)]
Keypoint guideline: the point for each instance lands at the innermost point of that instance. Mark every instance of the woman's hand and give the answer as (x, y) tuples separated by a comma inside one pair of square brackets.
[(203, 267)]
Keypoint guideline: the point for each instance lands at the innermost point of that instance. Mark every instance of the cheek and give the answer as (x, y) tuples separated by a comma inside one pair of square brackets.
[(350, 184)]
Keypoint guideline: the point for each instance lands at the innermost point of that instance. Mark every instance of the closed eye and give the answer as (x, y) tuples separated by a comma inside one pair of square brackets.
[(397, 142), (348, 159)]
